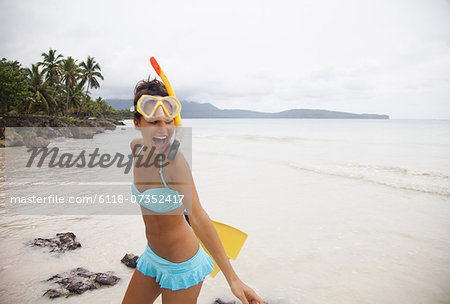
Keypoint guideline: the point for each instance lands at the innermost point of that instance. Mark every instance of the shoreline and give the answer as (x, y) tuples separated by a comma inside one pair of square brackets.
[(55, 126)]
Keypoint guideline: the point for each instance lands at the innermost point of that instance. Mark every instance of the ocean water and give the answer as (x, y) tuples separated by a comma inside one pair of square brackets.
[(337, 211)]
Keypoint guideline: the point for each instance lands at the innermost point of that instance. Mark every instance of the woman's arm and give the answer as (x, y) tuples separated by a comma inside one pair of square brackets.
[(204, 229), (206, 232)]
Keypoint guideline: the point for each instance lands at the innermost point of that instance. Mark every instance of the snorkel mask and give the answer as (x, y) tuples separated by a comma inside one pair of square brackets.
[(167, 108), (155, 108)]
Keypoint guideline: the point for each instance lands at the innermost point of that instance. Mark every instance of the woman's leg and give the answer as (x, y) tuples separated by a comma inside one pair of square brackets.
[(141, 289), (185, 296)]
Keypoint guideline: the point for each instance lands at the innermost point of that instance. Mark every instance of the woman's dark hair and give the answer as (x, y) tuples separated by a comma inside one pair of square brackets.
[(148, 87)]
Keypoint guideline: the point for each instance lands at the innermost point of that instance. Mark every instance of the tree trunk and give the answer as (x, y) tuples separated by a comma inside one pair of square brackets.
[(67, 103), (59, 104), (84, 98), (47, 108)]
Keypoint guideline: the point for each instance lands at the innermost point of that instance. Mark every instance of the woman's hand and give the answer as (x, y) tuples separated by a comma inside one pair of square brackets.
[(245, 293)]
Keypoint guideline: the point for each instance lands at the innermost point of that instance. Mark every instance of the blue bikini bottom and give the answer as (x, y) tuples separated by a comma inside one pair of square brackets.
[(175, 276)]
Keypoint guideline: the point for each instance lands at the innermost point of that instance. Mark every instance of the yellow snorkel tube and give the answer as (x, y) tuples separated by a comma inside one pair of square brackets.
[(177, 120)]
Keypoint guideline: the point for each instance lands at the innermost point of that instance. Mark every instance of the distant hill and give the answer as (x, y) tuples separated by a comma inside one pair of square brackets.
[(120, 104), (191, 109)]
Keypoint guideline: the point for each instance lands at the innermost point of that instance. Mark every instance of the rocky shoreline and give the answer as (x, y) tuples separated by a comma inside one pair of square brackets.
[(79, 280), (36, 130)]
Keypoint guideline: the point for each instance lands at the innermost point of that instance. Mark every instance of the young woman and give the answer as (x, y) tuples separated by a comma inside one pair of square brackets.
[(173, 264)]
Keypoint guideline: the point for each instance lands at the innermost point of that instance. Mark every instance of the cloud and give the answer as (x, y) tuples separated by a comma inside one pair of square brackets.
[(369, 56)]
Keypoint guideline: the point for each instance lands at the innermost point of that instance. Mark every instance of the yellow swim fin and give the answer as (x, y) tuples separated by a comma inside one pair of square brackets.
[(232, 241)]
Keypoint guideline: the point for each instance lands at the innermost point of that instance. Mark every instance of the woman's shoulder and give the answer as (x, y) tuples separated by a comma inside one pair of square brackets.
[(180, 160), (180, 169)]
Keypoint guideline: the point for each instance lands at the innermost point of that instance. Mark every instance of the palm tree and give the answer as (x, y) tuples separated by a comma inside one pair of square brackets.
[(70, 72), (102, 107), (76, 97), (51, 63), (90, 70), (43, 94)]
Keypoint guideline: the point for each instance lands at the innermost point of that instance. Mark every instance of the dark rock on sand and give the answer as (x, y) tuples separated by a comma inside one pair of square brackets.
[(106, 279), (77, 281), (62, 242), (220, 301), (130, 260)]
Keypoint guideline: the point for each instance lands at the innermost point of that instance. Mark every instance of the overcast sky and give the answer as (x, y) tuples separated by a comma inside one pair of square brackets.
[(362, 56)]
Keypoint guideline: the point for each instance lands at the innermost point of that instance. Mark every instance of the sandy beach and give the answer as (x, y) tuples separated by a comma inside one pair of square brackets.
[(328, 220)]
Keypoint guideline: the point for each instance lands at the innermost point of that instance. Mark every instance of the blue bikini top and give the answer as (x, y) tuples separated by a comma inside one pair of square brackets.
[(157, 199)]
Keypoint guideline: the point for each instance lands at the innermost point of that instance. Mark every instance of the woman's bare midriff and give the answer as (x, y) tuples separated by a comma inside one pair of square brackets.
[(170, 237)]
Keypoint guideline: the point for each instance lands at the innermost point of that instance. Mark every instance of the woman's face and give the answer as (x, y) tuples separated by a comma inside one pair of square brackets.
[(156, 132)]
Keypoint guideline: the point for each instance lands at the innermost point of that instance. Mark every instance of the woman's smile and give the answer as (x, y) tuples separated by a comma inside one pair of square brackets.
[(160, 141)]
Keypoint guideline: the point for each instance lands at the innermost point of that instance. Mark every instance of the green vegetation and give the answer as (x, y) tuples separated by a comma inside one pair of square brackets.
[(56, 86), (122, 114), (71, 119), (14, 85)]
